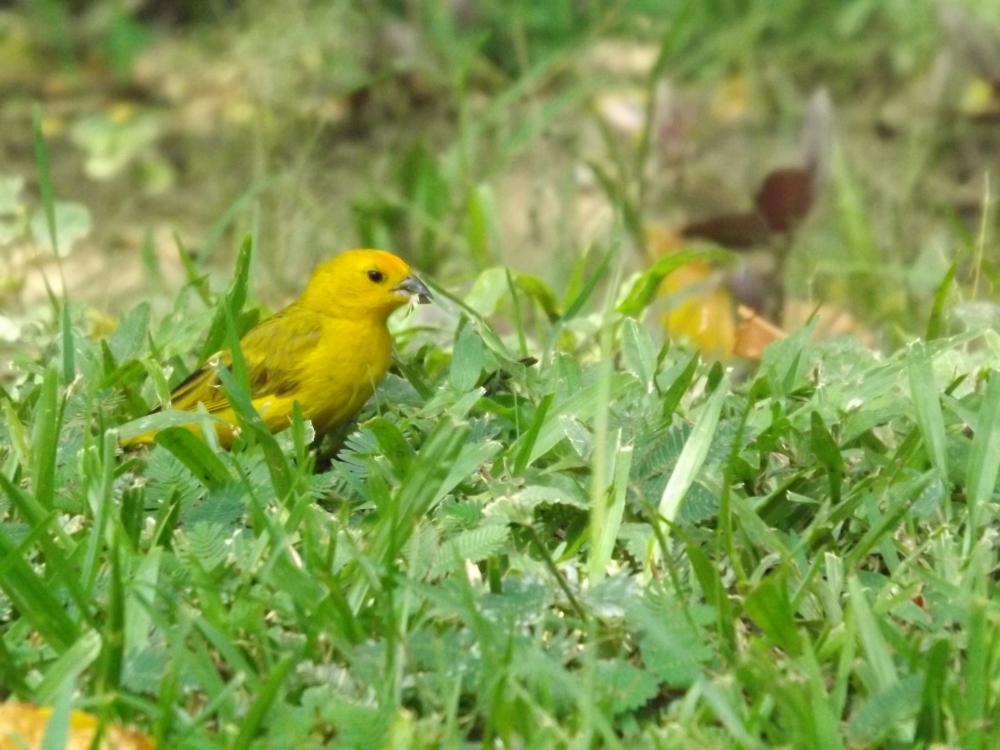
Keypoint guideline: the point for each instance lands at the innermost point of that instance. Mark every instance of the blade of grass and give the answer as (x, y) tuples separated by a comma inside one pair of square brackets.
[(604, 540), (936, 322), (231, 303), (68, 347), (68, 667), (876, 649), (195, 455), (693, 454), (927, 404), (266, 696), (45, 440), (984, 459)]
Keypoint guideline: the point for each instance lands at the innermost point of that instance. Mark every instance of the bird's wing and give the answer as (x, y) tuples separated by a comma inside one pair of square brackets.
[(274, 352)]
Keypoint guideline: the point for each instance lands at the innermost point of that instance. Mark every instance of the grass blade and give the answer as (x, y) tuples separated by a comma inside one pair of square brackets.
[(984, 458), (927, 405), (693, 455)]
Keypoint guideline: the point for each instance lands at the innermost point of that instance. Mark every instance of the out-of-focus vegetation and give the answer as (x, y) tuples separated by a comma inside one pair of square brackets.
[(556, 524)]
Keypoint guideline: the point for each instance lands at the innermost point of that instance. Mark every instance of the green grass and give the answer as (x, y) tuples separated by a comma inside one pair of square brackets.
[(546, 529), (610, 546)]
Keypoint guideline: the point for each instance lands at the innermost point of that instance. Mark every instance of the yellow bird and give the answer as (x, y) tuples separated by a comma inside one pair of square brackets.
[(328, 350)]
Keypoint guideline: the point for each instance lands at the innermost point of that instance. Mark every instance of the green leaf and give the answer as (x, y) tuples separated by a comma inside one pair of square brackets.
[(640, 355), (32, 596), (785, 361), (128, 340), (678, 387), (57, 727), (582, 406), (623, 687), (487, 290), (195, 454), (827, 452), (931, 719), (541, 293), (984, 459), (467, 361), (927, 404), (268, 694), (527, 441), (606, 535), (63, 673), (876, 649), (164, 419), (935, 322), (392, 443), (645, 287), (282, 475), (694, 454), (68, 347), (44, 440), (473, 545), (482, 223), (231, 303), (589, 286), (769, 606), (884, 711)]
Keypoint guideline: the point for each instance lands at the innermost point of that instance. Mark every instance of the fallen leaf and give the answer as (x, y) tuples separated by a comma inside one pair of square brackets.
[(754, 334), (23, 725), (736, 231), (785, 197)]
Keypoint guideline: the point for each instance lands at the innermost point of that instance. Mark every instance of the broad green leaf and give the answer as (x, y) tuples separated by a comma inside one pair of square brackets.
[(473, 545), (884, 711), (467, 361), (769, 606), (128, 340)]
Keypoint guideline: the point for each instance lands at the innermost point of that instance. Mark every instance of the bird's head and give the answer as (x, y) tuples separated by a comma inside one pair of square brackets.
[(362, 283)]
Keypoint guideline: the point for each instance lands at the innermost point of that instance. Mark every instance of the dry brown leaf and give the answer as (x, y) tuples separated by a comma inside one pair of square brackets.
[(754, 334), (22, 725)]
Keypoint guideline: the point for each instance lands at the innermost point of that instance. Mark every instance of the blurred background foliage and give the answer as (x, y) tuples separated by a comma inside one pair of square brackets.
[(464, 134)]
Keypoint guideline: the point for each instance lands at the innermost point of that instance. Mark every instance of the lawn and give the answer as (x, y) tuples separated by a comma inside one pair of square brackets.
[(572, 515)]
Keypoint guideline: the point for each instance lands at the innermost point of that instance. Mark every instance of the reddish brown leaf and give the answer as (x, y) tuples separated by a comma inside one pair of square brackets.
[(785, 198), (735, 231)]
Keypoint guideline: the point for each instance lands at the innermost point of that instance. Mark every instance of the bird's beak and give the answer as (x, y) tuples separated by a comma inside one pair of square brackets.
[(415, 288)]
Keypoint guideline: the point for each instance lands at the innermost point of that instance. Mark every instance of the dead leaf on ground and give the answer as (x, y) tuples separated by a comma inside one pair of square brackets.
[(23, 725), (754, 334)]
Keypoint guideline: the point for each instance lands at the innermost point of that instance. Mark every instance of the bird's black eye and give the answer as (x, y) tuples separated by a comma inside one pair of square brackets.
[(376, 276)]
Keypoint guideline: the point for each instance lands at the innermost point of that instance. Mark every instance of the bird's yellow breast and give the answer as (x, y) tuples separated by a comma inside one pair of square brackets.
[(337, 377)]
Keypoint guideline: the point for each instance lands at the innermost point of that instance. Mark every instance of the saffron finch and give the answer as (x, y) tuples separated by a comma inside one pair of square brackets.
[(327, 351)]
